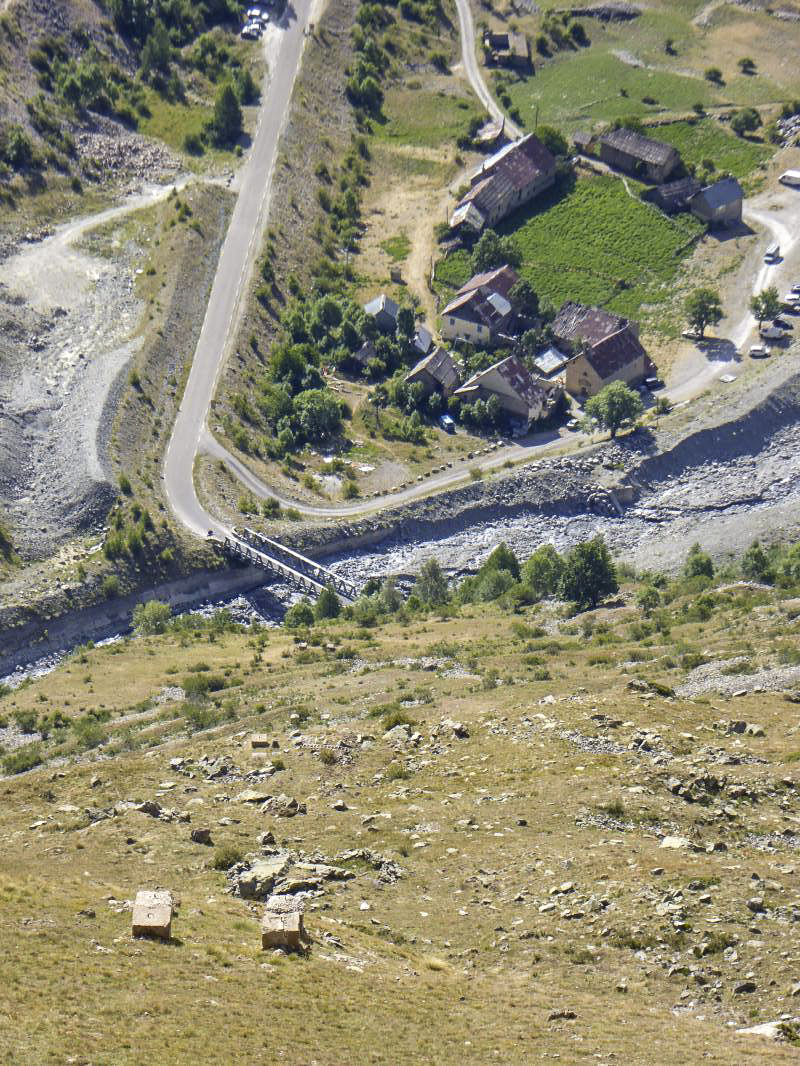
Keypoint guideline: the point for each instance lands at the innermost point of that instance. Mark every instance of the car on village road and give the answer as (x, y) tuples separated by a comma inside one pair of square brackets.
[(251, 32), (759, 351)]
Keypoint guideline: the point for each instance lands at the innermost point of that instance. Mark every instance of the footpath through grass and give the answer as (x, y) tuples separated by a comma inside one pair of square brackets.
[(593, 243)]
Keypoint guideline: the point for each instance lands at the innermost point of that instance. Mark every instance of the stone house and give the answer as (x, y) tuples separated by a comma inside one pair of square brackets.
[(523, 397), (719, 204), (638, 155), (505, 181), (481, 310), (437, 372), (603, 346)]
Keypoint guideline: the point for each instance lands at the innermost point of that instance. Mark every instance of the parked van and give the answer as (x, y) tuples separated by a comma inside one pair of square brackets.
[(772, 253), (791, 178)]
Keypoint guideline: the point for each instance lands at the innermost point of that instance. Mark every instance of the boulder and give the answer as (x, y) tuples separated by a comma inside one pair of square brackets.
[(253, 795), (284, 806), (770, 1030), (201, 836), (152, 914), (675, 843), (257, 881), (282, 930)]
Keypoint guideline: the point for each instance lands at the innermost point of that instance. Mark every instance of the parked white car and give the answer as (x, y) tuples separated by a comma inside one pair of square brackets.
[(251, 32), (758, 351)]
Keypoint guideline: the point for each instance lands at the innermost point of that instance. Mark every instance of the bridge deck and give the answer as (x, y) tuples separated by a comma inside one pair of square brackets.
[(304, 573)]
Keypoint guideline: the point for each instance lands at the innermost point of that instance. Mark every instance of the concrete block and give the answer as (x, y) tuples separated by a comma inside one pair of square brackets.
[(152, 914), (282, 930), (260, 741)]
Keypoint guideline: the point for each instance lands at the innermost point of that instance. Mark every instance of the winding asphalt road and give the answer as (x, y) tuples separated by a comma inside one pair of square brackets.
[(473, 71), (191, 435), (233, 273)]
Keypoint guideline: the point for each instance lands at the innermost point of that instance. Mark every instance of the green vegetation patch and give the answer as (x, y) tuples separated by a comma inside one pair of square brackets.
[(707, 140), (592, 243), (397, 248), (424, 119), (173, 121), (599, 245), (593, 86)]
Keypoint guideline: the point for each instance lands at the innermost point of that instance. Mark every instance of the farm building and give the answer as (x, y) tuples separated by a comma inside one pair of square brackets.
[(583, 142), (521, 396), (675, 195), (719, 204), (437, 372), (384, 310), (638, 155), (605, 348), (505, 181), (422, 340), (507, 50), (481, 310)]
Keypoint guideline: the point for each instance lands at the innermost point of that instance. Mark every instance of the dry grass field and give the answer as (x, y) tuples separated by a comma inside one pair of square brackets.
[(525, 909)]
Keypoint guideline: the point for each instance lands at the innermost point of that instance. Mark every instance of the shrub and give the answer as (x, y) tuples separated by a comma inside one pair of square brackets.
[(110, 586), (397, 717), (299, 615), (151, 617), (23, 759), (225, 856), (124, 483), (193, 144), (698, 563), (589, 573), (396, 772)]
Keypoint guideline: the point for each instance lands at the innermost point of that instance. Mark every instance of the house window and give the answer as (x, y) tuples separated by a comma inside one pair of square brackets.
[(452, 321)]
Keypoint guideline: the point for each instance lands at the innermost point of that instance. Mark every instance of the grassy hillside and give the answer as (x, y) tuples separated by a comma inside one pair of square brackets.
[(515, 901), (652, 65)]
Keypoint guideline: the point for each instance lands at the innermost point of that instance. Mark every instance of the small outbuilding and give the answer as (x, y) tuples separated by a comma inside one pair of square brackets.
[(384, 310), (674, 196), (719, 204), (507, 50), (550, 363), (437, 372)]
